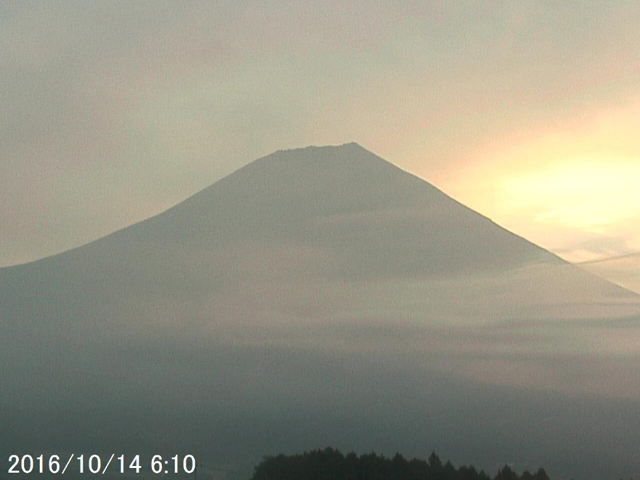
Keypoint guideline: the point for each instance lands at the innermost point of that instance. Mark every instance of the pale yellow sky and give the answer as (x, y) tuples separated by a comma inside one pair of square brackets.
[(572, 188)]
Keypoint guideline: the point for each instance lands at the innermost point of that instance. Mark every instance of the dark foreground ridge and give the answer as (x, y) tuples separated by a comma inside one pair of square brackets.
[(330, 464)]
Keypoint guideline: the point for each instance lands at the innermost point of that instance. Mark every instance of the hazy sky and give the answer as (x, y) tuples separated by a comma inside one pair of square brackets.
[(526, 111)]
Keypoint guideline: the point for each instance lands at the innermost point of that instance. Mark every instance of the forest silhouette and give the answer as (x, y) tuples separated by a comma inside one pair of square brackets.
[(331, 464)]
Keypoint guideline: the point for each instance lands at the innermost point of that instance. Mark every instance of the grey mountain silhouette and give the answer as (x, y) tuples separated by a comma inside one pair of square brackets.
[(315, 295)]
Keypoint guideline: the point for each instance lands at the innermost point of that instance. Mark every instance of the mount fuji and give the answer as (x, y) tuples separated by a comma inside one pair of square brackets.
[(321, 296)]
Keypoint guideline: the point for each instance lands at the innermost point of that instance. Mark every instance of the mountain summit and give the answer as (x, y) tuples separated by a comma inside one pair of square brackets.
[(310, 288), (374, 218)]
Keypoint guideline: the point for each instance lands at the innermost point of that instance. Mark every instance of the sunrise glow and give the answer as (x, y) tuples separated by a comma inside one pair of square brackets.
[(579, 193)]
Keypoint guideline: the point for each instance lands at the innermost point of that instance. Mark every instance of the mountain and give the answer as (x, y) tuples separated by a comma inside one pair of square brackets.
[(319, 296)]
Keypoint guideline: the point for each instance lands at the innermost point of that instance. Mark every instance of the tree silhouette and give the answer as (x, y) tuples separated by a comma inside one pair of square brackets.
[(331, 464)]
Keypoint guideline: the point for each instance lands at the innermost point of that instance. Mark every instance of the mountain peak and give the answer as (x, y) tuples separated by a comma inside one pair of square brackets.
[(337, 156), (316, 181), (343, 146)]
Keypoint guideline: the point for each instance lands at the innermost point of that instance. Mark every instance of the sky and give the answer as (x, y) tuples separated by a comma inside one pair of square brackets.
[(525, 111)]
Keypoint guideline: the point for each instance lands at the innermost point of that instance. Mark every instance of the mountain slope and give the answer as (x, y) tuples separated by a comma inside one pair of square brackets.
[(322, 283)]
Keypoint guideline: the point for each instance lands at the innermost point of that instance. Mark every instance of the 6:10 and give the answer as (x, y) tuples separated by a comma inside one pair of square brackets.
[(158, 465)]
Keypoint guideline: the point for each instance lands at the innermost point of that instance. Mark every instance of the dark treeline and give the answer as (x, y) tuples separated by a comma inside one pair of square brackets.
[(330, 464)]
